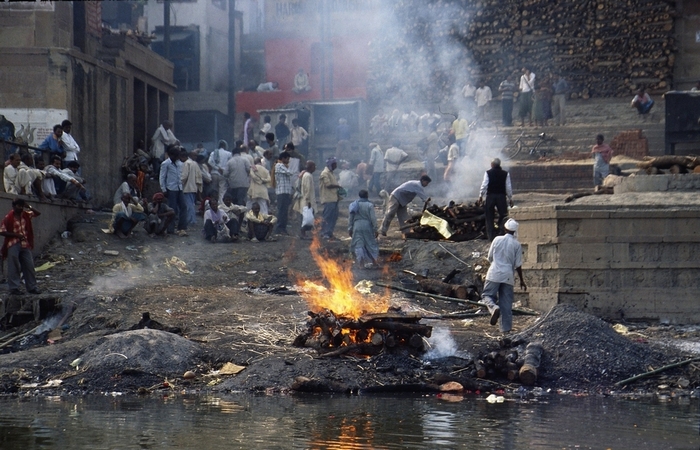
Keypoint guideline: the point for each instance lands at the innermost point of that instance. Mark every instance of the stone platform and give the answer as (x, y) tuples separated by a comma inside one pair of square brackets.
[(632, 256)]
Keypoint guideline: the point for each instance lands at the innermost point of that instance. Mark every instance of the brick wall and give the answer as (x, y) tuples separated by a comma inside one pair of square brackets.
[(631, 143), (551, 177)]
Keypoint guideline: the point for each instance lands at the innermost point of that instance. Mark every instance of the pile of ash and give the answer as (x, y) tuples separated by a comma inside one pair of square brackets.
[(581, 349)]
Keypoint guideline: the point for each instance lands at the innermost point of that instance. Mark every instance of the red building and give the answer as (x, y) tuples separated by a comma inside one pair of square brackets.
[(328, 39)]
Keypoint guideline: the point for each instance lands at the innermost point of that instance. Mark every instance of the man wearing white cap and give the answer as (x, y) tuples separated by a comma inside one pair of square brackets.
[(506, 257)]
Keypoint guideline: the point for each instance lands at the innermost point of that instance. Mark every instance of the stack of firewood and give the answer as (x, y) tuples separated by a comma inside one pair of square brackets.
[(670, 164), (523, 368), (371, 334), (467, 222), (605, 48)]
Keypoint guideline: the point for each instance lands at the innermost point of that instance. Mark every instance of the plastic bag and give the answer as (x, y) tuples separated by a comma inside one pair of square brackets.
[(307, 217)]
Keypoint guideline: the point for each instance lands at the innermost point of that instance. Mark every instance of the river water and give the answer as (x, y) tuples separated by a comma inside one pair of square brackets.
[(339, 422)]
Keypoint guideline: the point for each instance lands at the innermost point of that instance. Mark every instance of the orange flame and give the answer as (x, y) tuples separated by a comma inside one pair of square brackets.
[(340, 296)]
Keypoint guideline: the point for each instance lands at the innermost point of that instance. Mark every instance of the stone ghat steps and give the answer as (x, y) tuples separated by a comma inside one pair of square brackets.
[(585, 119), (575, 138)]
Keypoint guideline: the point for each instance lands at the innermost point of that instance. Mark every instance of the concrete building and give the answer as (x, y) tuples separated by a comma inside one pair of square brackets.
[(327, 40), (60, 63), (200, 49)]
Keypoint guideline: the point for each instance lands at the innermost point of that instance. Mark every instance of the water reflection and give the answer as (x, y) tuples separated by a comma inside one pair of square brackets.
[(338, 422)]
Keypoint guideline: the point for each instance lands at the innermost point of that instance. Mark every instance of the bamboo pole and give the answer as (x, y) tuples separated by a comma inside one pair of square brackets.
[(516, 311), (654, 372), (18, 337)]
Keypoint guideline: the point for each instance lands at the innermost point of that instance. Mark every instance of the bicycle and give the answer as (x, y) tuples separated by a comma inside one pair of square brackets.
[(512, 150)]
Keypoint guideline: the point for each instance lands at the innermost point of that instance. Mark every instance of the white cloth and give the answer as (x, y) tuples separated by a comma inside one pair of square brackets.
[(468, 91), (376, 160), (70, 146), (347, 179), (527, 84), (298, 136), (9, 179), (393, 158), (483, 96), (506, 255), (123, 188), (221, 218), (161, 139), (218, 160)]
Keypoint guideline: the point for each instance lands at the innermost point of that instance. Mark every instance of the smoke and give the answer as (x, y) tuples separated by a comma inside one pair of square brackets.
[(441, 344), (483, 146), (421, 62)]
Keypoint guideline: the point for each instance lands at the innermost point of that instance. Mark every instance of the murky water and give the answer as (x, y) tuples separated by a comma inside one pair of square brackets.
[(260, 422)]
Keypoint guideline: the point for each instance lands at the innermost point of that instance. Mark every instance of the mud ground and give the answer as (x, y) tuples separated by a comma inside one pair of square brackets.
[(237, 303)]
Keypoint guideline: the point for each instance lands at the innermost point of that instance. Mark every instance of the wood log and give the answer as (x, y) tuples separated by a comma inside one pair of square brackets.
[(450, 275), (668, 161), (416, 341), (480, 368), (399, 327), (512, 371), (411, 317), (531, 363), (448, 290), (377, 339)]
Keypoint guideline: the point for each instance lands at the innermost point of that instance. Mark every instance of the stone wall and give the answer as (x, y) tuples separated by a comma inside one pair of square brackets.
[(637, 262)]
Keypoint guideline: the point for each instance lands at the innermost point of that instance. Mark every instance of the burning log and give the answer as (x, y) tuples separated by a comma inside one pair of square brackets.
[(531, 362), (368, 335)]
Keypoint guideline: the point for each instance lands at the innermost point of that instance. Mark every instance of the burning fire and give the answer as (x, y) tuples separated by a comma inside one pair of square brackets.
[(340, 296)]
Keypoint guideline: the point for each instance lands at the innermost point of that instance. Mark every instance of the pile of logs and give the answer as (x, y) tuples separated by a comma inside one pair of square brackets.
[(467, 222), (670, 164), (509, 364), (369, 335), (604, 48)]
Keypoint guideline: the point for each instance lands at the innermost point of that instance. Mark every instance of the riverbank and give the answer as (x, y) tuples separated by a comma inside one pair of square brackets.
[(234, 307)]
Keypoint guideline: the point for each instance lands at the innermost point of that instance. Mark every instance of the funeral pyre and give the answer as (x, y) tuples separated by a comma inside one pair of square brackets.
[(343, 320), (454, 222)]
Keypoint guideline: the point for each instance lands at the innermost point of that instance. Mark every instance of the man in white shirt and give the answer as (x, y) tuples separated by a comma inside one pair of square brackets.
[(69, 145), (527, 90), (191, 183), (506, 257), (127, 187), (9, 174), (468, 92), (218, 161), (376, 162), (399, 200), (482, 96)]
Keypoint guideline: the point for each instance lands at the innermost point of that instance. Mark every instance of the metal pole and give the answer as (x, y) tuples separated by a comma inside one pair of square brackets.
[(232, 66), (329, 49), (166, 28), (323, 50)]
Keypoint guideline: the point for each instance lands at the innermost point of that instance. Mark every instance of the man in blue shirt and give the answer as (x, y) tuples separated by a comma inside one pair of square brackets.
[(53, 143), (171, 186)]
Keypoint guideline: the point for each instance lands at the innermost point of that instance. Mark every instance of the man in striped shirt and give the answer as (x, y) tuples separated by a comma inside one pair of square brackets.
[(283, 189), (507, 88)]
